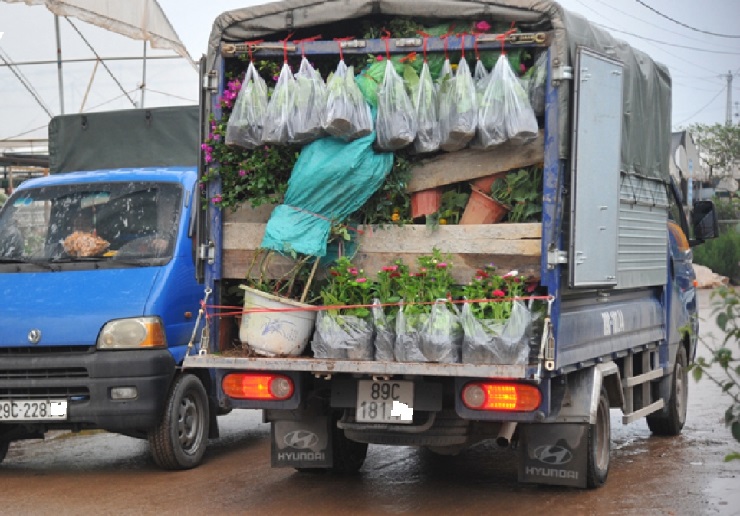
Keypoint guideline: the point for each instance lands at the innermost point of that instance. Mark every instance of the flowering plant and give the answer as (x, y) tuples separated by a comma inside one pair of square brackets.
[(259, 175), (348, 285), (499, 291), (431, 282)]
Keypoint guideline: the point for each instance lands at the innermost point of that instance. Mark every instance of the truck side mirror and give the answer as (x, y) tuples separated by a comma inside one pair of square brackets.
[(704, 221)]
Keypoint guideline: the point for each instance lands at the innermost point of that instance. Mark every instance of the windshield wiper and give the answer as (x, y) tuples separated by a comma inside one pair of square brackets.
[(23, 261)]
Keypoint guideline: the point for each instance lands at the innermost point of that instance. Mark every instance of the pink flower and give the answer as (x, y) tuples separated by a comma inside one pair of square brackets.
[(498, 293), (242, 173), (390, 268), (379, 58), (208, 158), (361, 280), (522, 67), (204, 146), (483, 26), (216, 199), (441, 265), (510, 274), (352, 270)]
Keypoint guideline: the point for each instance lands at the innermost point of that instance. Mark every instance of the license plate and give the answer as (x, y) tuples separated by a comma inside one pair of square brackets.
[(33, 410), (384, 402)]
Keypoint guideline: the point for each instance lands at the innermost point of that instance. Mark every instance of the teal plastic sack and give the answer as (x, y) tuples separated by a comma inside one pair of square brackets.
[(331, 180)]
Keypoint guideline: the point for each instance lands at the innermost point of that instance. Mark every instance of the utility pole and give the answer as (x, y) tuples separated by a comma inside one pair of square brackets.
[(728, 112)]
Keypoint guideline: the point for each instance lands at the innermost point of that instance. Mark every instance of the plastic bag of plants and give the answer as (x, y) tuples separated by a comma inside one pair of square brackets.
[(309, 104), (347, 114), (279, 113), (501, 342), (442, 335), (505, 112), (425, 106), (396, 123), (342, 337), (385, 333), (245, 125), (409, 326), (458, 112), (537, 83)]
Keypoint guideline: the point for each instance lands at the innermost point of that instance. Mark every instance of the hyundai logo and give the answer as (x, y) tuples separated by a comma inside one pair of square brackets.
[(553, 455), (34, 336), (301, 439)]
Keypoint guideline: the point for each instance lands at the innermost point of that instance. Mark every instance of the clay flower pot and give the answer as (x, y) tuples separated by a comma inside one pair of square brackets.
[(482, 209), (484, 183), (425, 202)]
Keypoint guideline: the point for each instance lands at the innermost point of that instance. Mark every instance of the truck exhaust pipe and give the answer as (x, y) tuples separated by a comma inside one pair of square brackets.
[(505, 433)]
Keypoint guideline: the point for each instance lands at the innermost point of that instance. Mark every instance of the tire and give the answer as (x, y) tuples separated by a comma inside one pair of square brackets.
[(599, 444), (349, 456), (180, 439), (4, 445), (670, 422)]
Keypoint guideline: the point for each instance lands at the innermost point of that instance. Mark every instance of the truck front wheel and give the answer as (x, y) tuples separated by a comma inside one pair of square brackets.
[(180, 439), (4, 445), (599, 444), (671, 420)]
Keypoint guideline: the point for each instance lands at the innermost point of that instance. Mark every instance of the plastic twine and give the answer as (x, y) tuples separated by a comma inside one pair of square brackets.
[(387, 38), (425, 38), (250, 47), (285, 47), (502, 37), (339, 42), (303, 41)]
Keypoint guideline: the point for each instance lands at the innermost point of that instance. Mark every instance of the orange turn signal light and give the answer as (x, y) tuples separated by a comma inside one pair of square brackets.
[(501, 396), (258, 386)]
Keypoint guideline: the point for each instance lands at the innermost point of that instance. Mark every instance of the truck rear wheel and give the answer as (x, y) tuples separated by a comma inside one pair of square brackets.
[(180, 439), (599, 444), (670, 422)]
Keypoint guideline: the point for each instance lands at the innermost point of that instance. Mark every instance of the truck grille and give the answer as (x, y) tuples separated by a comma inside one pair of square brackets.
[(31, 372)]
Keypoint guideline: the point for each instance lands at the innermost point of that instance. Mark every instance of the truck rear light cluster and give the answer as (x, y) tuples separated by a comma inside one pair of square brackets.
[(508, 397), (258, 386)]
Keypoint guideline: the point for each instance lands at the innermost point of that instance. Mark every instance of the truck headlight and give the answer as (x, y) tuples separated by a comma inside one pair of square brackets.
[(136, 332)]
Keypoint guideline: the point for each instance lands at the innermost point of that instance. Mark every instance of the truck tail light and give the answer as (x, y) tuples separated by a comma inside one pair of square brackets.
[(501, 396), (258, 386)]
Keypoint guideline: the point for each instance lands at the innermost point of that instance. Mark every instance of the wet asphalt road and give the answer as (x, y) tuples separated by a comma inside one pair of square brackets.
[(101, 473)]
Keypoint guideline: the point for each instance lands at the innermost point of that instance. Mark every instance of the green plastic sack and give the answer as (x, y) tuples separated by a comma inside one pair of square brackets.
[(331, 180)]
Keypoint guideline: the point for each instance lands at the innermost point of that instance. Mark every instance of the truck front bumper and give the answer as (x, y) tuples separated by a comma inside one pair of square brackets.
[(86, 378)]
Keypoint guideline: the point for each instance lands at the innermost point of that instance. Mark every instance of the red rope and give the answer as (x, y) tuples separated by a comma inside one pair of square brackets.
[(502, 37), (285, 47), (387, 38), (339, 42), (303, 41), (251, 45)]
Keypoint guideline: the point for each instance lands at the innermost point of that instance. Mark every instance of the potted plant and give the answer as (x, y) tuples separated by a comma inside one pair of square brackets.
[(345, 332), (427, 326), (385, 308), (495, 322), (271, 325), (521, 192)]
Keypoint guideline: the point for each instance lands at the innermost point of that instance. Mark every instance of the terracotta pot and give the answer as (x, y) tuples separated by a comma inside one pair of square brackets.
[(484, 183), (481, 209), (425, 202)]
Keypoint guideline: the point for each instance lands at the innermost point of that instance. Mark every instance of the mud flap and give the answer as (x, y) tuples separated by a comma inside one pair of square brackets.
[(555, 454), (302, 442)]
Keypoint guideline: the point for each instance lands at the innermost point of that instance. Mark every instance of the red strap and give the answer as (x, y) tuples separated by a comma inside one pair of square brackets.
[(285, 47), (304, 40), (339, 42), (251, 45), (387, 38), (425, 37), (502, 37)]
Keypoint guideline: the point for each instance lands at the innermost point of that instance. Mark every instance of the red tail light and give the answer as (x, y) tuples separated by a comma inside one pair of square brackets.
[(258, 386), (508, 397)]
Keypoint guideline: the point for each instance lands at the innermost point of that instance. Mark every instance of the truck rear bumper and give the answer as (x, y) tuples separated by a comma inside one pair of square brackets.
[(86, 378)]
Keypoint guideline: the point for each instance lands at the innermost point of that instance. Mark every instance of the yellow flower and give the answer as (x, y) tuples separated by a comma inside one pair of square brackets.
[(395, 217), (442, 222), (396, 210), (454, 67)]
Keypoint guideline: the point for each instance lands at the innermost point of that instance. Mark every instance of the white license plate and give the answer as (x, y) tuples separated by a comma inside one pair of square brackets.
[(385, 402), (33, 410)]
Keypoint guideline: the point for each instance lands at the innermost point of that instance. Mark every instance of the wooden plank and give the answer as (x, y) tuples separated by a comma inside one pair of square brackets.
[(508, 246), (469, 164)]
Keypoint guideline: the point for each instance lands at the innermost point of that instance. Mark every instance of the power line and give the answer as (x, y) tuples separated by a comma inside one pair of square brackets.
[(25, 82), (685, 25), (689, 47), (702, 108)]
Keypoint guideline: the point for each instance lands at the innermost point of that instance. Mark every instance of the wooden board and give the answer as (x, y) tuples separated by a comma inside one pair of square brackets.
[(470, 164), (508, 246)]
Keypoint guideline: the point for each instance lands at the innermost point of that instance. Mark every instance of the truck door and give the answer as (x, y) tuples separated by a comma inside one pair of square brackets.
[(595, 170)]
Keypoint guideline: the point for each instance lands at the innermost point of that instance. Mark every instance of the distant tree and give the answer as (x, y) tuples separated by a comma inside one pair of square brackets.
[(719, 147)]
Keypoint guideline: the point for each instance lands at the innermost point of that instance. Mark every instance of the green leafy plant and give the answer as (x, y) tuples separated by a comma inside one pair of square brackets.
[(726, 309), (521, 192), (347, 285), (431, 282), (295, 284), (486, 284), (721, 255)]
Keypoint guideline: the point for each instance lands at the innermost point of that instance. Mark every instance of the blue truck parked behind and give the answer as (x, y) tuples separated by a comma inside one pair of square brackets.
[(612, 252), (98, 286)]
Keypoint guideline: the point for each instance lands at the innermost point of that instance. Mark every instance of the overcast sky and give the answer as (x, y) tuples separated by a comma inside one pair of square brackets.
[(699, 62)]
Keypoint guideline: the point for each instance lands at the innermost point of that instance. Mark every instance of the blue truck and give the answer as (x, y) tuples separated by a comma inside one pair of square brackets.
[(612, 253), (98, 279)]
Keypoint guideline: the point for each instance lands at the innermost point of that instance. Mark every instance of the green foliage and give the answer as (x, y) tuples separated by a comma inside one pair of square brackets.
[(486, 284), (726, 310), (521, 192), (721, 255), (347, 285), (719, 145), (391, 203)]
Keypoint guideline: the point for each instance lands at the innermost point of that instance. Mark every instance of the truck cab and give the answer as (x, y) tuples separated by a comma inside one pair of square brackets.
[(98, 278)]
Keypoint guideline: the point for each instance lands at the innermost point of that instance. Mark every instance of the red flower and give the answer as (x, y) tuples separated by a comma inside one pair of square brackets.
[(498, 293)]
